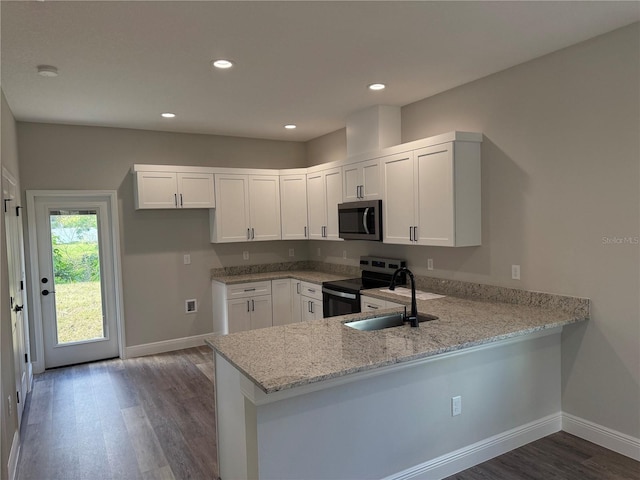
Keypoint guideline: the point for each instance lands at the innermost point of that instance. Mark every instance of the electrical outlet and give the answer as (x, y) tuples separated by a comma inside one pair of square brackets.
[(456, 406), (429, 263), (191, 305), (245, 255), (344, 254), (515, 272), (292, 252), (187, 259)]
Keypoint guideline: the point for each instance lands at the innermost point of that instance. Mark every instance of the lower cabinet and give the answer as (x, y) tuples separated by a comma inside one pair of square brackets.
[(370, 304), (296, 300), (311, 301), (249, 313), (281, 295)]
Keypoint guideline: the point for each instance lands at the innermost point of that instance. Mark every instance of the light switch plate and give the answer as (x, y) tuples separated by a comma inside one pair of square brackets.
[(187, 259), (515, 272)]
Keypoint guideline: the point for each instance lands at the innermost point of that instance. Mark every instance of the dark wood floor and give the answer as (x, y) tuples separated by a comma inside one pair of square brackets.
[(153, 418), (142, 418)]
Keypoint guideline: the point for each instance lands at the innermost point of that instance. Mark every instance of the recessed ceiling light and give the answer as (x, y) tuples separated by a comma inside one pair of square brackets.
[(47, 71), (168, 115), (290, 126), (222, 63), (377, 86)]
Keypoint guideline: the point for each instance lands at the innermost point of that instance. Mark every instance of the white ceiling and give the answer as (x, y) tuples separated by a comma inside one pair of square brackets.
[(123, 63)]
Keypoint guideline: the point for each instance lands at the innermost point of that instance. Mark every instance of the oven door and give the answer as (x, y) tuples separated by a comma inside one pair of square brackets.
[(336, 303), (360, 220)]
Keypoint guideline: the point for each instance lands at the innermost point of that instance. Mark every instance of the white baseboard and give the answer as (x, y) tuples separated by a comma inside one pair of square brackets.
[(481, 451), (14, 455), (603, 436), (166, 346)]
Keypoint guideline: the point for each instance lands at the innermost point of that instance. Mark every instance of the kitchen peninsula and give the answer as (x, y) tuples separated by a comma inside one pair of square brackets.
[(321, 400)]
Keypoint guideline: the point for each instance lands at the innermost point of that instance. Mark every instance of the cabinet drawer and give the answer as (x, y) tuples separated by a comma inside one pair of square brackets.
[(311, 290), (251, 289), (368, 304)]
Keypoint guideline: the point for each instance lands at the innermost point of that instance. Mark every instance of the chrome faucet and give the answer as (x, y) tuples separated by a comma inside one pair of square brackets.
[(413, 317)]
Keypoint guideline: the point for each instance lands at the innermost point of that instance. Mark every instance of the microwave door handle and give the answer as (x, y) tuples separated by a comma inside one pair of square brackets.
[(364, 220)]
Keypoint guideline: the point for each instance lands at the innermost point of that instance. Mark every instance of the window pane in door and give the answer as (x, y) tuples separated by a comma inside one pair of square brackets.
[(76, 272)]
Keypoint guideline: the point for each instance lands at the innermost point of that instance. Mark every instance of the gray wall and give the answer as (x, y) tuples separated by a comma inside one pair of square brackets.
[(8, 160), (561, 172), (156, 282)]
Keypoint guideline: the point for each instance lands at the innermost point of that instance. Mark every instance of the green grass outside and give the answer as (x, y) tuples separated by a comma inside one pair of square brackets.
[(79, 311)]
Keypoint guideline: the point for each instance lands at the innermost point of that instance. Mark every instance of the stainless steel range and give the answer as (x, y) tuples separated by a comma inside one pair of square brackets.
[(342, 297)]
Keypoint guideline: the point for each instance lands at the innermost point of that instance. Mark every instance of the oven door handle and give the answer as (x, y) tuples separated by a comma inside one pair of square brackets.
[(350, 296)]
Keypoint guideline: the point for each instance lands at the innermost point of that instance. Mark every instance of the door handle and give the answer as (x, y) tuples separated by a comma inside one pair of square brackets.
[(248, 234), (410, 234), (253, 306), (181, 204), (46, 292), (248, 309), (415, 234), (311, 307), (253, 234), (305, 231), (175, 199)]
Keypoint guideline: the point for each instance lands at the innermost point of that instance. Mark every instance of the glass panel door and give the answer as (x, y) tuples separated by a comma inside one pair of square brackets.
[(79, 312)]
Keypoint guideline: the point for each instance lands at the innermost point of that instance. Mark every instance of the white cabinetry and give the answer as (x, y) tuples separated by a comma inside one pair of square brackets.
[(324, 193), (241, 307), (293, 206), (432, 196), (296, 302), (164, 189), (247, 208), (369, 304), (362, 181), (311, 301), (282, 301)]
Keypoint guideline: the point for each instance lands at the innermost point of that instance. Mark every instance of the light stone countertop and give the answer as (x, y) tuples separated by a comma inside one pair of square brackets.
[(304, 275), (285, 357)]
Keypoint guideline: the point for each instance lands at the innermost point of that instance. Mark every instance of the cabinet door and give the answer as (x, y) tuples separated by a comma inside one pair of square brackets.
[(261, 312), (311, 309), (352, 180), (296, 306), (316, 205), (156, 190), (264, 202), (333, 189), (371, 180), (239, 315), (435, 195), (399, 198), (281, 300), (195, 190), (293, 207), (231, 216)]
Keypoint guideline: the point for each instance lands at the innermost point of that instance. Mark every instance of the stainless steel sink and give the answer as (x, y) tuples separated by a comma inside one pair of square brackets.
[(385, 321)]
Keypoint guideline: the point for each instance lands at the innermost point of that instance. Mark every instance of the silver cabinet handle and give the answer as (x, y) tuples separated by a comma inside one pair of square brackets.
[(248, 310), (311, 290), (411, 234), (181, 204), (175, 199), (253, 234), (249, 289), (415, 234), (248, 234), (311, 307), (253, 306), (298, 287), (372, 307), (305, 231)]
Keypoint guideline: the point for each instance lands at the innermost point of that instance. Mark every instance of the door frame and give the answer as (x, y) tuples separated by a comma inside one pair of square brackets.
[(112, 198)]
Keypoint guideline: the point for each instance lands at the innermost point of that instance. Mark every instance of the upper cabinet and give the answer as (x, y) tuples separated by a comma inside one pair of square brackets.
[(293, 207), (247, 208), (432, 196), (362, 181), (324, 193), (165, 189)]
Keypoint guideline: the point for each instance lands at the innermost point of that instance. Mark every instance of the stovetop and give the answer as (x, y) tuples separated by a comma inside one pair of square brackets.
[(376, 273)]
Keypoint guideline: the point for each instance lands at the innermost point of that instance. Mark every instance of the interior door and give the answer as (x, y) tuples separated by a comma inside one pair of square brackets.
[(16, 282), (77, 279)]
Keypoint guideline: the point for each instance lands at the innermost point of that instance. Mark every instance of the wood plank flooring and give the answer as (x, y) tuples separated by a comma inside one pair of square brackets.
[(152, 418), (143, 418)]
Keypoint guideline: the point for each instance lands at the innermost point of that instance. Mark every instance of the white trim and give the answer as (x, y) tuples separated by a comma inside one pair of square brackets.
[(166, 346), (482, 451), (14, 455), (112, 196), (605, 437)]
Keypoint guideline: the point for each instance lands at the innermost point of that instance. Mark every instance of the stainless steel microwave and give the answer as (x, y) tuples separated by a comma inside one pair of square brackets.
[(360, 220)]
